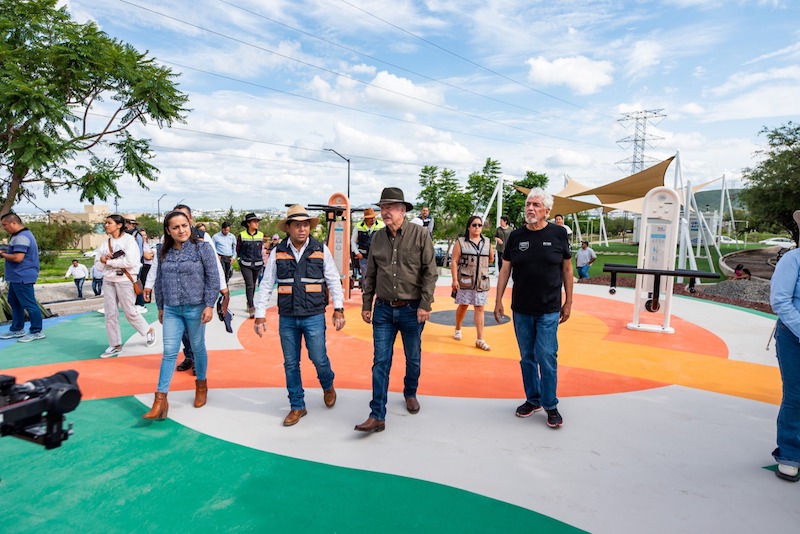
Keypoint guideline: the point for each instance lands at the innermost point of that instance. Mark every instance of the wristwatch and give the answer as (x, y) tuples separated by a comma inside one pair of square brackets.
[(340, 310)]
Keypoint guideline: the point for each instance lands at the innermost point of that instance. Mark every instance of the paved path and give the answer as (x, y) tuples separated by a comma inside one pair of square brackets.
[(662, 433)]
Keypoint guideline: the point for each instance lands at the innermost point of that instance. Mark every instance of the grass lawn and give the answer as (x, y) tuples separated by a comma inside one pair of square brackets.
[(628, 254)]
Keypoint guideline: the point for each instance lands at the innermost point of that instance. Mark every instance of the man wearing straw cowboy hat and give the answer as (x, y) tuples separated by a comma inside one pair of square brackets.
[(401, 276), (305, 272)]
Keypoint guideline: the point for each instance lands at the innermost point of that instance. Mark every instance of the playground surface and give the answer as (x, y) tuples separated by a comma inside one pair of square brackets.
[(662, 433)]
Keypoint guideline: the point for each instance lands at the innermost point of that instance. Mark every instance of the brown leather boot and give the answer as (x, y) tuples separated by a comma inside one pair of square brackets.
[(200, 393), (159, 409)]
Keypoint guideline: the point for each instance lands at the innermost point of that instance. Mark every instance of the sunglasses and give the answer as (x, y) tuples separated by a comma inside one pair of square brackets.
[(476, 225)]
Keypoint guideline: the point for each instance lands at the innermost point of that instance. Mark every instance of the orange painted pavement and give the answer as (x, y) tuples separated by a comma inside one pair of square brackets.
[(597, 355)]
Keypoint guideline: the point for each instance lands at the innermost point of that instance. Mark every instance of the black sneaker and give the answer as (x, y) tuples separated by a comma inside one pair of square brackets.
[(185, 365), (527, 409), (554, 419)]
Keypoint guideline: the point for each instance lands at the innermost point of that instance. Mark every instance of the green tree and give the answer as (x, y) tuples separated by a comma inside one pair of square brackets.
[(514, 201), (151, 224), (450, 205), (69, 89), (773, 193), (79, 229), (481, 185)]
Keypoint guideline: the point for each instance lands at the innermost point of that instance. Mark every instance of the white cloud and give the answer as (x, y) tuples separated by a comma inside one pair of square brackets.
[(691, 108), (740, 81), (569, 158), (791, 51), (643, 57), (766, 102), (397, 87), (579, 73)]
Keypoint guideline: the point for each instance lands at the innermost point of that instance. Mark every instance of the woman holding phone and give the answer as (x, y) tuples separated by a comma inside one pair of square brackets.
[(118, 258)]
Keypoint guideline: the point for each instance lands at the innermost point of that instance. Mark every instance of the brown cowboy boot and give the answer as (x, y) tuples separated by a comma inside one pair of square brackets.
[(159, 409), (200, 393)]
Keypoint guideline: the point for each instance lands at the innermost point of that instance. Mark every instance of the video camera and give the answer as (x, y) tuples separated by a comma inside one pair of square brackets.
[(34, 411)]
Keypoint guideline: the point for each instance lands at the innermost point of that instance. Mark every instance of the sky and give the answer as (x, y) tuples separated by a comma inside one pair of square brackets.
[(395, 85)]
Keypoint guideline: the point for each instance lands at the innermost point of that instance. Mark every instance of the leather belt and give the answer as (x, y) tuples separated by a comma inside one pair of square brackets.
[(398, 303)]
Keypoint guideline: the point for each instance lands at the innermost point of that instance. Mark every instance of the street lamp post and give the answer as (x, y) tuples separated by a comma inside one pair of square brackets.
[(348, 168), (158, 203)]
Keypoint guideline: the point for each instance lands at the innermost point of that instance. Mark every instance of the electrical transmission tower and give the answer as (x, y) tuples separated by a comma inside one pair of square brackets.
[(639, 138)]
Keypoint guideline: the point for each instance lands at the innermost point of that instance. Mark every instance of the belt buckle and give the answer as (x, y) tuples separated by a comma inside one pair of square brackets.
[(397, 303)]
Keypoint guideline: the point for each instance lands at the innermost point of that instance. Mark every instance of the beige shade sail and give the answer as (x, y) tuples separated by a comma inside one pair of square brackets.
[(634, 186), (573, 188), (562, 204)]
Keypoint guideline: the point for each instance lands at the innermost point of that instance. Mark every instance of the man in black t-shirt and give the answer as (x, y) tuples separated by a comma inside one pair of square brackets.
[(538, 258)]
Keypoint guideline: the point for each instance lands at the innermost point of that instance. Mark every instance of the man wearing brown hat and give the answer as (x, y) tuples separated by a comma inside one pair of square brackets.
[(249, 249), (401, 276), (305, 272), (362, 237)]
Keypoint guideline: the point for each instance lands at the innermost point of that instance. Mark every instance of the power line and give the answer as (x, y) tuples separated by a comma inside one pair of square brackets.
[(264, 49), (375, 114), (471, 62), (399, 67)]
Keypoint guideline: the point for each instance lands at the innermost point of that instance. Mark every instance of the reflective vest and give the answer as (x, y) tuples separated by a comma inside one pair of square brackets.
[(364, 235), (302, 290), (250, 250), (473, 265)]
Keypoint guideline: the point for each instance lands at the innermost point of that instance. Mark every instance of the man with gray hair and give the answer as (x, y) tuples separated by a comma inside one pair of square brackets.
[(538, 258)]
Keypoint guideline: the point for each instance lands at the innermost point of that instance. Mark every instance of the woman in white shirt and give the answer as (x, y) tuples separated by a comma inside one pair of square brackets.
[(116, 256)]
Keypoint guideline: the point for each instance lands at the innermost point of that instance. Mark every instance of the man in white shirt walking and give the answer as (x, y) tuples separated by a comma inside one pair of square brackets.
[(79, 273)]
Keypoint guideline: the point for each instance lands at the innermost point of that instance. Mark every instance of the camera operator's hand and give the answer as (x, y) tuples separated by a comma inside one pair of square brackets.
[(260, 326)]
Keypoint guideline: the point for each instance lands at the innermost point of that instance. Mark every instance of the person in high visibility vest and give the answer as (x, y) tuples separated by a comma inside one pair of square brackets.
[(249, 249), (362, 238)]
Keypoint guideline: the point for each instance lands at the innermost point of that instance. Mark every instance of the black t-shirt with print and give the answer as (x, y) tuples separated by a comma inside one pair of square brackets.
[(536, 259)]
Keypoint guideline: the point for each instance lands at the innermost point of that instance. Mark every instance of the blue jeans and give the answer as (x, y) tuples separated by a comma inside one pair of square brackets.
[(22, 299), (583, 271), (79, 284), (178, 319), (312, 329), (362, 266), (386, 323), (788, 349), (97, 286), (538, 347)]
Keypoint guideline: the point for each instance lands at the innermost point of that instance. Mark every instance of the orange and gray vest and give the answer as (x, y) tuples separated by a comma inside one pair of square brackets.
[(302, 290)]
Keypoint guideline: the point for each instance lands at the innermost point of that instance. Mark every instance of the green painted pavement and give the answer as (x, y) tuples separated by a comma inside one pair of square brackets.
[(118, 473)]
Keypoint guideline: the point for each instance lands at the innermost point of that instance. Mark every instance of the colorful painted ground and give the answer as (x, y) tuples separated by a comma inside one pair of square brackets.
[(662, 433)]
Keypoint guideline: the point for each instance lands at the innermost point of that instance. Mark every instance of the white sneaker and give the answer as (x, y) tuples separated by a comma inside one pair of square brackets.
[(788, 472), (142, 309), (110, 352), (150, 338), (31, 337), (101, 310), (457, 335), (11, 334)]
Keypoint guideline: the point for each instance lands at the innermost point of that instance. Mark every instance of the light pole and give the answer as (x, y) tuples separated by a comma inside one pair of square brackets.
[(158, 203), (348, 169)]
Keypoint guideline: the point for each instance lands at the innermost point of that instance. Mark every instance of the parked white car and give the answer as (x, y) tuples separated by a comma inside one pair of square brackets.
[(725, 240), (783, 242), (90, 253)]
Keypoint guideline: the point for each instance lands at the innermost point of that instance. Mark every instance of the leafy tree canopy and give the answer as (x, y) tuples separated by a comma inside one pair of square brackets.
[(773, 193), (68, 89)]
